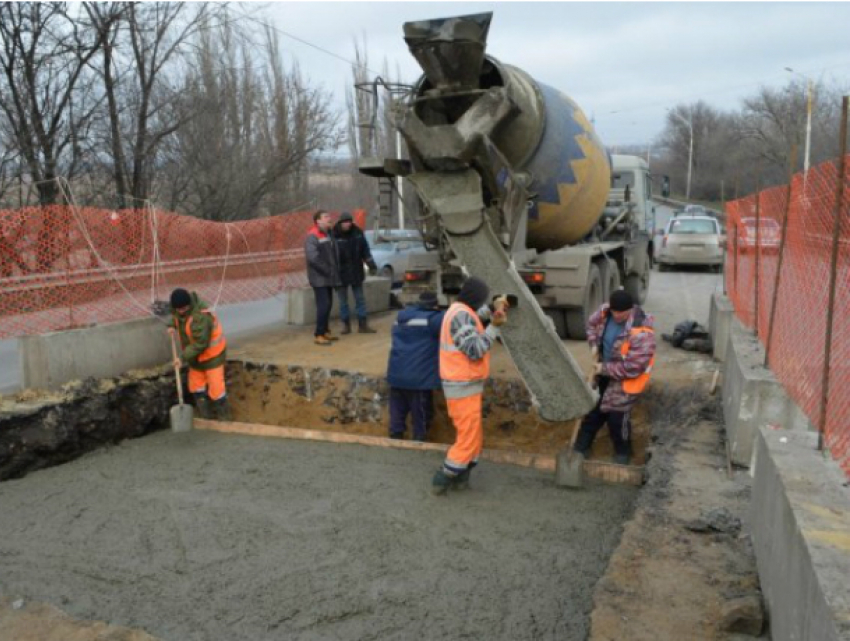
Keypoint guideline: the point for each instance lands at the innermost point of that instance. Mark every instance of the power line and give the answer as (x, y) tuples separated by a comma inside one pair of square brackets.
[(307, 42)]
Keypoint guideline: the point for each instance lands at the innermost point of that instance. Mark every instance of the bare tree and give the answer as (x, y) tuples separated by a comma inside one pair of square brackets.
[(254, 129), (45, 94)]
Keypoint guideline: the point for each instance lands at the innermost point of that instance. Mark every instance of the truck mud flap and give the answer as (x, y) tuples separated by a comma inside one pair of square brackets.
[(549, 371)]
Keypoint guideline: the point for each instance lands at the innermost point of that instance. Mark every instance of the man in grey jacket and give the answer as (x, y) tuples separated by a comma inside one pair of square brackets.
[(322, 272)]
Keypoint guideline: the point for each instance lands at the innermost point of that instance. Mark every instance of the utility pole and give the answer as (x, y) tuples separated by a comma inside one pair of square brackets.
[(809, 102), (690, 124)]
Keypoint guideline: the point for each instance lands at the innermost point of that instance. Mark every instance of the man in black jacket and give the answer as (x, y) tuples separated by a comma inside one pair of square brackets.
[(353, 251), (322, 272)]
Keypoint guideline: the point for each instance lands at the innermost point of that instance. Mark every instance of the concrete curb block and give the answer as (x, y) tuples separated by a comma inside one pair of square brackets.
[(301, 305), (801, 534), (752, 397), (48, 361), (720, 316)]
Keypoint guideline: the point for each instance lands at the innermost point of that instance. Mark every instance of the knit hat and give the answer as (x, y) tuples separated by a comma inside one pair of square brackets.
[(474, 292), (345, 216), (621, 301), (180, 298), (428, 299)]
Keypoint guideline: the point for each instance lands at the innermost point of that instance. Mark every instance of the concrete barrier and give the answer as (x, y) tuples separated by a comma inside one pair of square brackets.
[(752, 397), (720, 316), (47, 361), (301, 305), (801, 535)]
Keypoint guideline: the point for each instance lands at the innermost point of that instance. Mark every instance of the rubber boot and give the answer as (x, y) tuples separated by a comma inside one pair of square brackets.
[(363, 327), (346, 327), (222, 410), (440, 483), (461, 481), (202, 405), (622, 459)]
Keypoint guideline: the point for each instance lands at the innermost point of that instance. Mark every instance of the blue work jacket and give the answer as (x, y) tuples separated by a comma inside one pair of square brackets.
[(415, 353)]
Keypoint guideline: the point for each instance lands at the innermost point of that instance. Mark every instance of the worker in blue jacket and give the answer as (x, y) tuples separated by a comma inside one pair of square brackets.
[(413, 371)]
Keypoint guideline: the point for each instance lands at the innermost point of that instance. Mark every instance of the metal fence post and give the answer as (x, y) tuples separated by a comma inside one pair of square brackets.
[(833, 268), (756, 252), (776, 280)]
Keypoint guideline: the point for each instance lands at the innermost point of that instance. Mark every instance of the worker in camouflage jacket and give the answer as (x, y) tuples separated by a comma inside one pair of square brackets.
[(204, 349), (622, 341)]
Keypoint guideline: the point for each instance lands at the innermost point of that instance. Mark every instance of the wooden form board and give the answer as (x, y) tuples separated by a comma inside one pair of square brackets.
[(602, 470)]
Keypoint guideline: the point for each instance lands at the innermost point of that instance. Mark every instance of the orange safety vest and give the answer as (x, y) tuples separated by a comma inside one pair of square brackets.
[(454, 364), (217, 341), (638, 384)]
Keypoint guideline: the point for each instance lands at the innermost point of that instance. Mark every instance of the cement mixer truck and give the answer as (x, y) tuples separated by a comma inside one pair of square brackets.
[(514, 186)]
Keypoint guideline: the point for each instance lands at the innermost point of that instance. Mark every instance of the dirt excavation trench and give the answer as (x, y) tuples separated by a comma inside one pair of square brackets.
[(220, 536)]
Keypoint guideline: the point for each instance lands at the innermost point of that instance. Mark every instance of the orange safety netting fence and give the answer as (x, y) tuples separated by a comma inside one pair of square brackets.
[(797, 349), (63, 267)]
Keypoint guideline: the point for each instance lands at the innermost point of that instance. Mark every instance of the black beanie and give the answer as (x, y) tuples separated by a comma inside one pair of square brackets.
[(474, 293), (345, 216), (621, 301), (428, 299), (180, 298)]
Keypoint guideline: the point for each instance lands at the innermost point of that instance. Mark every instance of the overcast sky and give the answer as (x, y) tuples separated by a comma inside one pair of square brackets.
[(624, 63)]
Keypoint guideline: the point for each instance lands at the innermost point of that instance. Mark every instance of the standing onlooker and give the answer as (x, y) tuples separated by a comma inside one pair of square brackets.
[(622, 334), (322, 272), (413, 371), (353, 251)]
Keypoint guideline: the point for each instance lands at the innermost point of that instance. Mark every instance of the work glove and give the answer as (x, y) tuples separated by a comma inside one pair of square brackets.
[(373, 268), (498, 318), (500, 303)]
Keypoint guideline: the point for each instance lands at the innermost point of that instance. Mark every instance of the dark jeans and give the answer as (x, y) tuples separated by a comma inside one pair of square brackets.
[(417, 403), (359, 299), (619, 427), (324, 304)]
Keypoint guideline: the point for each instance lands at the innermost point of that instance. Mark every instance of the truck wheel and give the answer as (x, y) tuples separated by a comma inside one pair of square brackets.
[(638, 285), (577, 318), (559, 319), (610, 275)]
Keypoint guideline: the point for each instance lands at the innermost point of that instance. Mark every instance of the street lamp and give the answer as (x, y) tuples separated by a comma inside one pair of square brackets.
[(690, 125), (809, 92)]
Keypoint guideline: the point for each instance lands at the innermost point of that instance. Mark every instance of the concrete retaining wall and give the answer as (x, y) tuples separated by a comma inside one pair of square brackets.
[(48, 361), (301, 305), (720, 316), (752, 397), (801, 535)]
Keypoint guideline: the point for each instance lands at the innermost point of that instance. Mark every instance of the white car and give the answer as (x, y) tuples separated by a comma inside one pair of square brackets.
[(691, 240)]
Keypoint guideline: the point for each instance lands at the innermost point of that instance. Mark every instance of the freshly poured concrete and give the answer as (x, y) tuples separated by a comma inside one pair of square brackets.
[(206, 536)]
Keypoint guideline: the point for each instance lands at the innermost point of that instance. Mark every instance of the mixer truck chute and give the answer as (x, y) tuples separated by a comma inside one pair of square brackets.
[(515, 187)]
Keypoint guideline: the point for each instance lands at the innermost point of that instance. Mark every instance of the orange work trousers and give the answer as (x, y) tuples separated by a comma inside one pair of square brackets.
[(466, 416), (210, 381)]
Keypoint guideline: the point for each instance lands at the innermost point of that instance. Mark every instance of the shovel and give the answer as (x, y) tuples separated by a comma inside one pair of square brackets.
[(181, 415), (569, 465)]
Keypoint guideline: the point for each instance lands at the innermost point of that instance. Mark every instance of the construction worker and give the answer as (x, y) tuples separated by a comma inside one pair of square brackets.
[(352, 250), (322, 273), (413, 370), (204, 350), (622, 340), (464, 366)]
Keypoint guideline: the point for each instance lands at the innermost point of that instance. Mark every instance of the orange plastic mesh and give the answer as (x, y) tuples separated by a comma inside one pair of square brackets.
[(798, 342), (63, 267)]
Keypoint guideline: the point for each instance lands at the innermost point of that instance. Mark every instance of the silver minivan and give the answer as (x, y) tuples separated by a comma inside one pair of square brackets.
[(392, 249), (691, 240)]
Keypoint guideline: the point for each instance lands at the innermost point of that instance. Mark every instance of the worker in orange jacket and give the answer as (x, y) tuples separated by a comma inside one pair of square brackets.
[(464, 366), (204, 350)]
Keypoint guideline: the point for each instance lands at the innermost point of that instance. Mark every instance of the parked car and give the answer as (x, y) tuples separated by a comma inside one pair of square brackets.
[(392, 249), (768, 237), (694, 210), (691, 240)]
